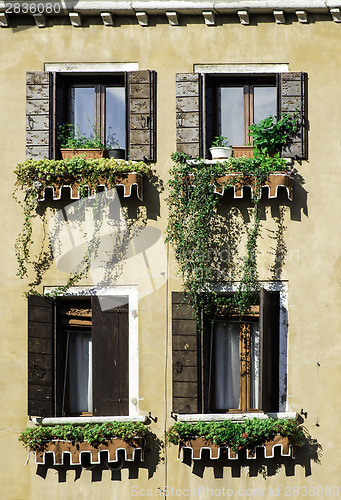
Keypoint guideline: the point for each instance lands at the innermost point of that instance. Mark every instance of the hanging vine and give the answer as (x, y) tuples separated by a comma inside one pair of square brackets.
[(192, 204), (33, 176)]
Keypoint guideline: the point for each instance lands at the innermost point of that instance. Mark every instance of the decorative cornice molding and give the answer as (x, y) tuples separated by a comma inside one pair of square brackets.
[(171, 9)]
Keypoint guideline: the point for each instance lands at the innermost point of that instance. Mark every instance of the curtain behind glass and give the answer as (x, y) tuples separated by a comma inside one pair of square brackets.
[(80, 372), (225, 365)]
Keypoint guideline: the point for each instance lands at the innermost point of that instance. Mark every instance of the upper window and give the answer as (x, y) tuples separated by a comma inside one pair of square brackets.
[(97, 106), (239, 103), (120, 106), (208, 105), (78, 356), (233, 365)]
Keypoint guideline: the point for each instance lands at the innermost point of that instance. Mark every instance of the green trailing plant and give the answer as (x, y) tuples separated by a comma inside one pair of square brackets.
[(35, 175), (220, 142), (36, 438), (237, 435), (191, 216), (273, 134)]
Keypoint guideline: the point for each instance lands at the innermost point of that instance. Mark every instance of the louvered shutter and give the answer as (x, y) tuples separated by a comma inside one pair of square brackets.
[(292, 89), (188, 114), (110, 361), (184, 357), (40, 356), (141, 89), (269, 351), (38, 114)]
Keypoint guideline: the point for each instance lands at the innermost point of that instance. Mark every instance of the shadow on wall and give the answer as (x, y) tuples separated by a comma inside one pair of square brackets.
[(267, 467)]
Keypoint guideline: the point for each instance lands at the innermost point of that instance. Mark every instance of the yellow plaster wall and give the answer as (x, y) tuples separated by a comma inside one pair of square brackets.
[(312, 267)]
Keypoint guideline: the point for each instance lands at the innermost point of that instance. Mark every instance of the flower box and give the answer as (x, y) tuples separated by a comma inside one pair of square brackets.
[(239, 151), (86, 152), (197, 444), (125, 180), (76, 449)]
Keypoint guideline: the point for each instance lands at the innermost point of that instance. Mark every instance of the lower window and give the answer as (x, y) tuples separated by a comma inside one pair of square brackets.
[(232, 364), (78, 360)]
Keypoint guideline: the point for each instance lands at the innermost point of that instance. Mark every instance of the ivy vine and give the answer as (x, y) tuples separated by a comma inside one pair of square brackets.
[(33, 176), (192, 204)]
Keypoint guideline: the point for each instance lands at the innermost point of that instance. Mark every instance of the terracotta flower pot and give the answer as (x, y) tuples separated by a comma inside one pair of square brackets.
[(86, 152)]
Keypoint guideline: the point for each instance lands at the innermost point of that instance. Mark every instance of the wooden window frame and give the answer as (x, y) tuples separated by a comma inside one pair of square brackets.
[(99, 84), (190, 355), (110, 355)]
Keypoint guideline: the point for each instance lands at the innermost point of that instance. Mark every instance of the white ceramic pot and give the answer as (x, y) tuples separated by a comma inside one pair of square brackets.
[(220, 152)]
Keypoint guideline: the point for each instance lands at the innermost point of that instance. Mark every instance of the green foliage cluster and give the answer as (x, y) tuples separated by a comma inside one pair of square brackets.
[(44, 172), (238, 435), (36, 437), (220, 141), (189, 230), (271, 134), (70, 137), (35, 175)]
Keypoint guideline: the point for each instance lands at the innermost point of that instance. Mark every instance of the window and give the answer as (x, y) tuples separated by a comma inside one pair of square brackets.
[(226, 104), (78, 356), (233, 366), (237, 103), (97, 104), (121, 105)]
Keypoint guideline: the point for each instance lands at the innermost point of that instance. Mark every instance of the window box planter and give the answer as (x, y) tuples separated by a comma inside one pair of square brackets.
[(77, 449), (125, 180), (239, 151), (235, 437), (86, 152), (272, 182), (197, 444), (234, 180)]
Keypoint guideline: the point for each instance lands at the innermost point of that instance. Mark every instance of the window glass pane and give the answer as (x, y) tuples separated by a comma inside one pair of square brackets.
[(82, 109), (232, 114), (80, 372), (225, 367), (115, 117), (254, 365), (264, 102)]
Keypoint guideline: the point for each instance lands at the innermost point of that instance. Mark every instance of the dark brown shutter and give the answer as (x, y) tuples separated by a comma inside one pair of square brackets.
[(269, 351), (185, 357), (40, 356), (38, 116), (110, 355), (188, 114), (141, 89), (58, 106), (293, 89)]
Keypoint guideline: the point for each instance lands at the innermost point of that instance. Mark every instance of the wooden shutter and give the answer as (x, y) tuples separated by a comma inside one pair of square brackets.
[(141, 89), (188, 114), (184, 357), (292, 89), (58, 106), (38, 116), (269, 351), (110, 362), (40, 356)]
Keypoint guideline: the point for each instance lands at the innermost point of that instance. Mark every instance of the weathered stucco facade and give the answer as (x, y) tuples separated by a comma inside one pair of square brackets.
[(310, 274)]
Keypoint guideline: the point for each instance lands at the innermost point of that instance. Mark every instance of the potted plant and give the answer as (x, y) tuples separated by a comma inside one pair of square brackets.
[(273, 134), (113, 148), (74, 143), (220, 148)]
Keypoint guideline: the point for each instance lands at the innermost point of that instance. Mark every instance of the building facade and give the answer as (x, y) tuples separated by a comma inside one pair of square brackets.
[(120, 343)]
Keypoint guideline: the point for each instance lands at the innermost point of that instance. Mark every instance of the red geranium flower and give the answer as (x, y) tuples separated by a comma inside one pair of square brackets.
[(244, 435)]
